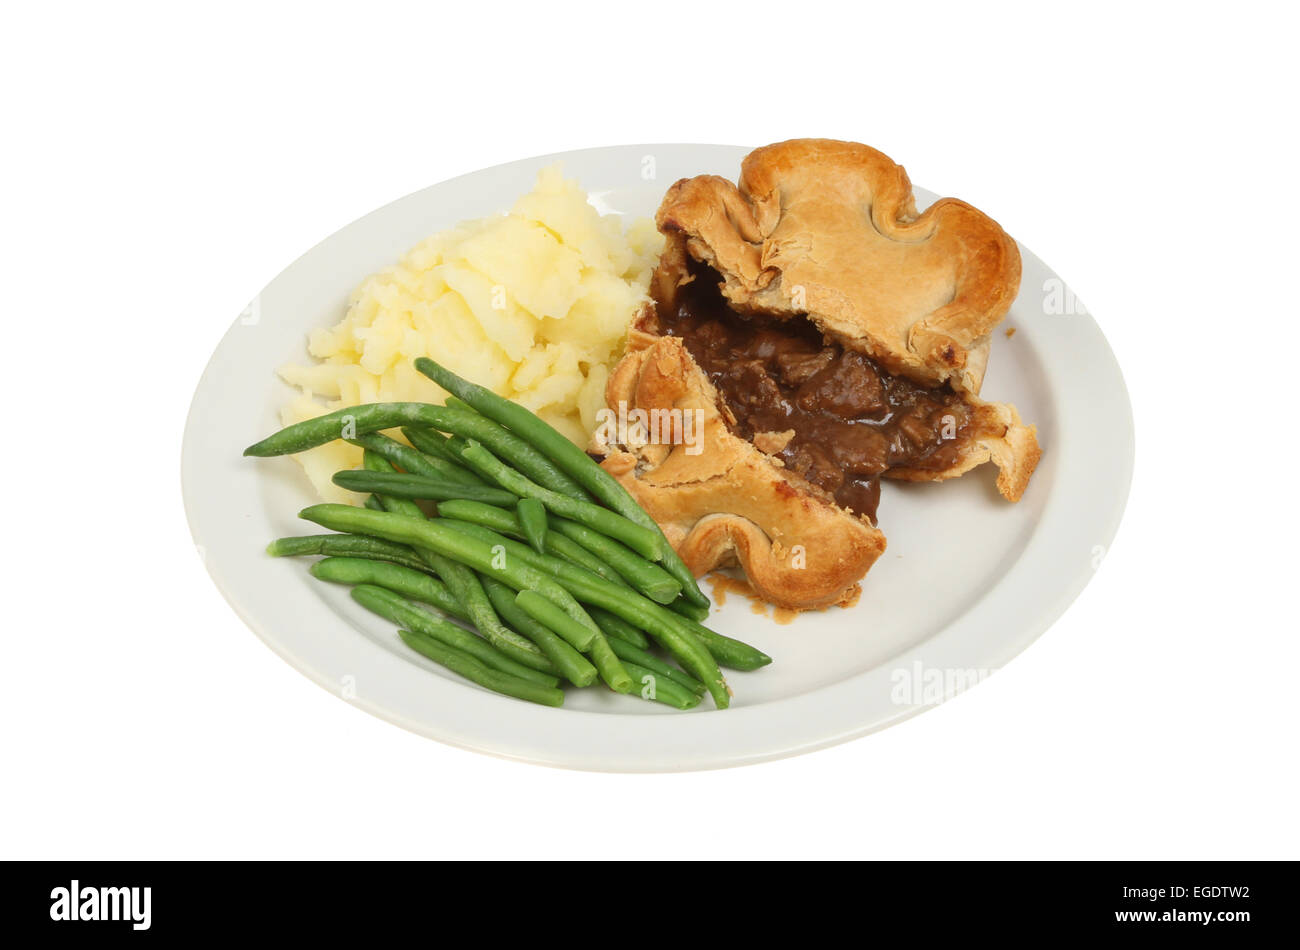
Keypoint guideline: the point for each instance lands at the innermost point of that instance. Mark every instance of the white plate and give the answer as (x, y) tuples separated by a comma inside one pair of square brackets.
[(968, 580)]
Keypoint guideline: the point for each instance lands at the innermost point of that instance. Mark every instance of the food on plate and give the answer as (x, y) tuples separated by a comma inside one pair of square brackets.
[(830, 335), (472, 670), (833, 415), (530, 543), (729, 500), (575, 463), (743, 383), (828, 232), (533, 304)]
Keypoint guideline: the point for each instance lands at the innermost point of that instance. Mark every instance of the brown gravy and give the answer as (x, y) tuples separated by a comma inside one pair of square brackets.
[(723, 584), (852, 421)]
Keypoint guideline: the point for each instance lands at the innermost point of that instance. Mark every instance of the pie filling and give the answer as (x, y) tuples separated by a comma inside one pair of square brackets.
[(851, 421)]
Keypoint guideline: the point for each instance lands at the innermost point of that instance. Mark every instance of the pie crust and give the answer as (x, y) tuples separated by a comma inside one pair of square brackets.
[(830, 229), (727, 503)]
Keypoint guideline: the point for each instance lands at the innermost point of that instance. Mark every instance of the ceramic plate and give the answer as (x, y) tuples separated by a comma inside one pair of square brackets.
[(967, 582)]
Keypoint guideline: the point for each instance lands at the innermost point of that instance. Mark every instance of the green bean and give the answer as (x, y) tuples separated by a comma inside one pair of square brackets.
[(510, 548), (433, 445), (568, 457), (631, 654), (504, 522), (412, 460), (374, 504), (689, 642), (376, 463), (572, 665), (505, 546), (489, 516), (468, 589), (340, 424), (656, 687), (617, 627), (346, 545), (515, 450), (463, 583), (650, 579), (430, 442), (355, 421), (402, 612), (557, 545), (547, 563), (545, 612), (403, 485), (532, 520), (411, 584), (665, 626), (733, 654), (471, 669), (607, 622), (633, 535), (606, 660), (659, 622), (611, 668), (689, 609), (438, 537)]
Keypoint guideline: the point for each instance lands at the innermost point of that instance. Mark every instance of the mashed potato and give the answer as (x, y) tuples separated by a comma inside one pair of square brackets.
[(533, 304)]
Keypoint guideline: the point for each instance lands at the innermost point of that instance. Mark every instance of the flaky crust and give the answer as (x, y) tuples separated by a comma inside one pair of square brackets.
[(830, 229), (729, 503)]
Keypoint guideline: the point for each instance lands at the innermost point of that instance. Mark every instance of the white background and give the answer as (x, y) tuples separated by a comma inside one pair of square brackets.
[(161, 165)]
